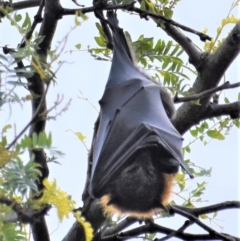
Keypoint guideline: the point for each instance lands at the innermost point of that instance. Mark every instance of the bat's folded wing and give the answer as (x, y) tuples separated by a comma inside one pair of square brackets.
[(145, 136), (140, 122)]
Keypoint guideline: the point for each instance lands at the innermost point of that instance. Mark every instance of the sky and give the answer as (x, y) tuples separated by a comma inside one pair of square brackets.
[(81, 73)]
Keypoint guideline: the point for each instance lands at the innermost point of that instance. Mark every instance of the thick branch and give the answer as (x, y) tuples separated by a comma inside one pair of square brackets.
[(23, 215), (193, 53), (202, 225), (120, 226), (210, 73), (12, 7), (180, 230), (154, 228), (142, 14), (36, 86), (215, 110), (210, 209), (25, 4)]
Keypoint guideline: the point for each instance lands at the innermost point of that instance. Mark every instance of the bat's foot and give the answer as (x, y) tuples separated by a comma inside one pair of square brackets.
[(112, 19)]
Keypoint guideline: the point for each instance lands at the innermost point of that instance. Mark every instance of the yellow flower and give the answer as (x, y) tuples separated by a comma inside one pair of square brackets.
[(5, 156), (86, 226), (55, 196)]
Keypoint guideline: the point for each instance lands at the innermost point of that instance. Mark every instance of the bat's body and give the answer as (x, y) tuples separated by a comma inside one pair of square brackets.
[(136, 150)]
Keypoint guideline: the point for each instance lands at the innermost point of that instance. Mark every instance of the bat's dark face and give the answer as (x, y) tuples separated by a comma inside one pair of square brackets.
[(136, 151)]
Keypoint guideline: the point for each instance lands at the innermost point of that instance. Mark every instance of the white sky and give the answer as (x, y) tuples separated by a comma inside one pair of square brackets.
[(83, 73)]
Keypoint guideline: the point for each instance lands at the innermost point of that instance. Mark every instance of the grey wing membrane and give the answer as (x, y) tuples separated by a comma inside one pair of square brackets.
[(138, 122), (132, 117)]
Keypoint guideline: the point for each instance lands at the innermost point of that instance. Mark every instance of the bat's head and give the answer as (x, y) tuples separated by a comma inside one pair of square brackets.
[(138, 189), (129, 205)]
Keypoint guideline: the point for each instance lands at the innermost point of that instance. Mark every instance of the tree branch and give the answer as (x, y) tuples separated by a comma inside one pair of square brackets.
[(154, 228), (37, 19), (23, 215), (180, 230), (215, 110), (210, 73), (120, 226), (210, 209), (19, 5), (186, 43), (25, 4), (199, 223), (205, 93), (52, 12), (142, 13)]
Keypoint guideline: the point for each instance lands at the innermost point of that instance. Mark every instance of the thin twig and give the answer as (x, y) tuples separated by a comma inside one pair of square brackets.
[(186, 224), (202, 225), (205, 93), (210, 209), (34, 118), (143, 14), (37, 19)]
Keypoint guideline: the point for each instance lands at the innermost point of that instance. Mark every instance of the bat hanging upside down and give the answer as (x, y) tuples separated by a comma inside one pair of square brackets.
[(136, 149)]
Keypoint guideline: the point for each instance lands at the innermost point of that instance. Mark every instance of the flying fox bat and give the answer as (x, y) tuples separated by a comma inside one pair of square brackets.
[(136, 151)]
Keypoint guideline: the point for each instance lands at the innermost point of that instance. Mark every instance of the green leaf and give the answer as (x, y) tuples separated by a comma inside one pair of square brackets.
[(194, 133), (3, 142), (180, 52), (27, 22), (175, 50), (167, 78), (78, 46), (215, 134), (100, 41), (215, 214), (128, 36), (100, 29), (42, 139), (158, 45), (173, 67), (204, 216), (169, 44), (143, 62), (34, 139), (181, 185), (205, 125), (226, 100), (200, 129), (38, 40), (143, 6), (49, 140), (19, 177), (201, 185), (80, 136), (6, 128), (168, 12), (188, 149), (165, 63), (17, 17), (151, 236), (10, 232), (237, 123)]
